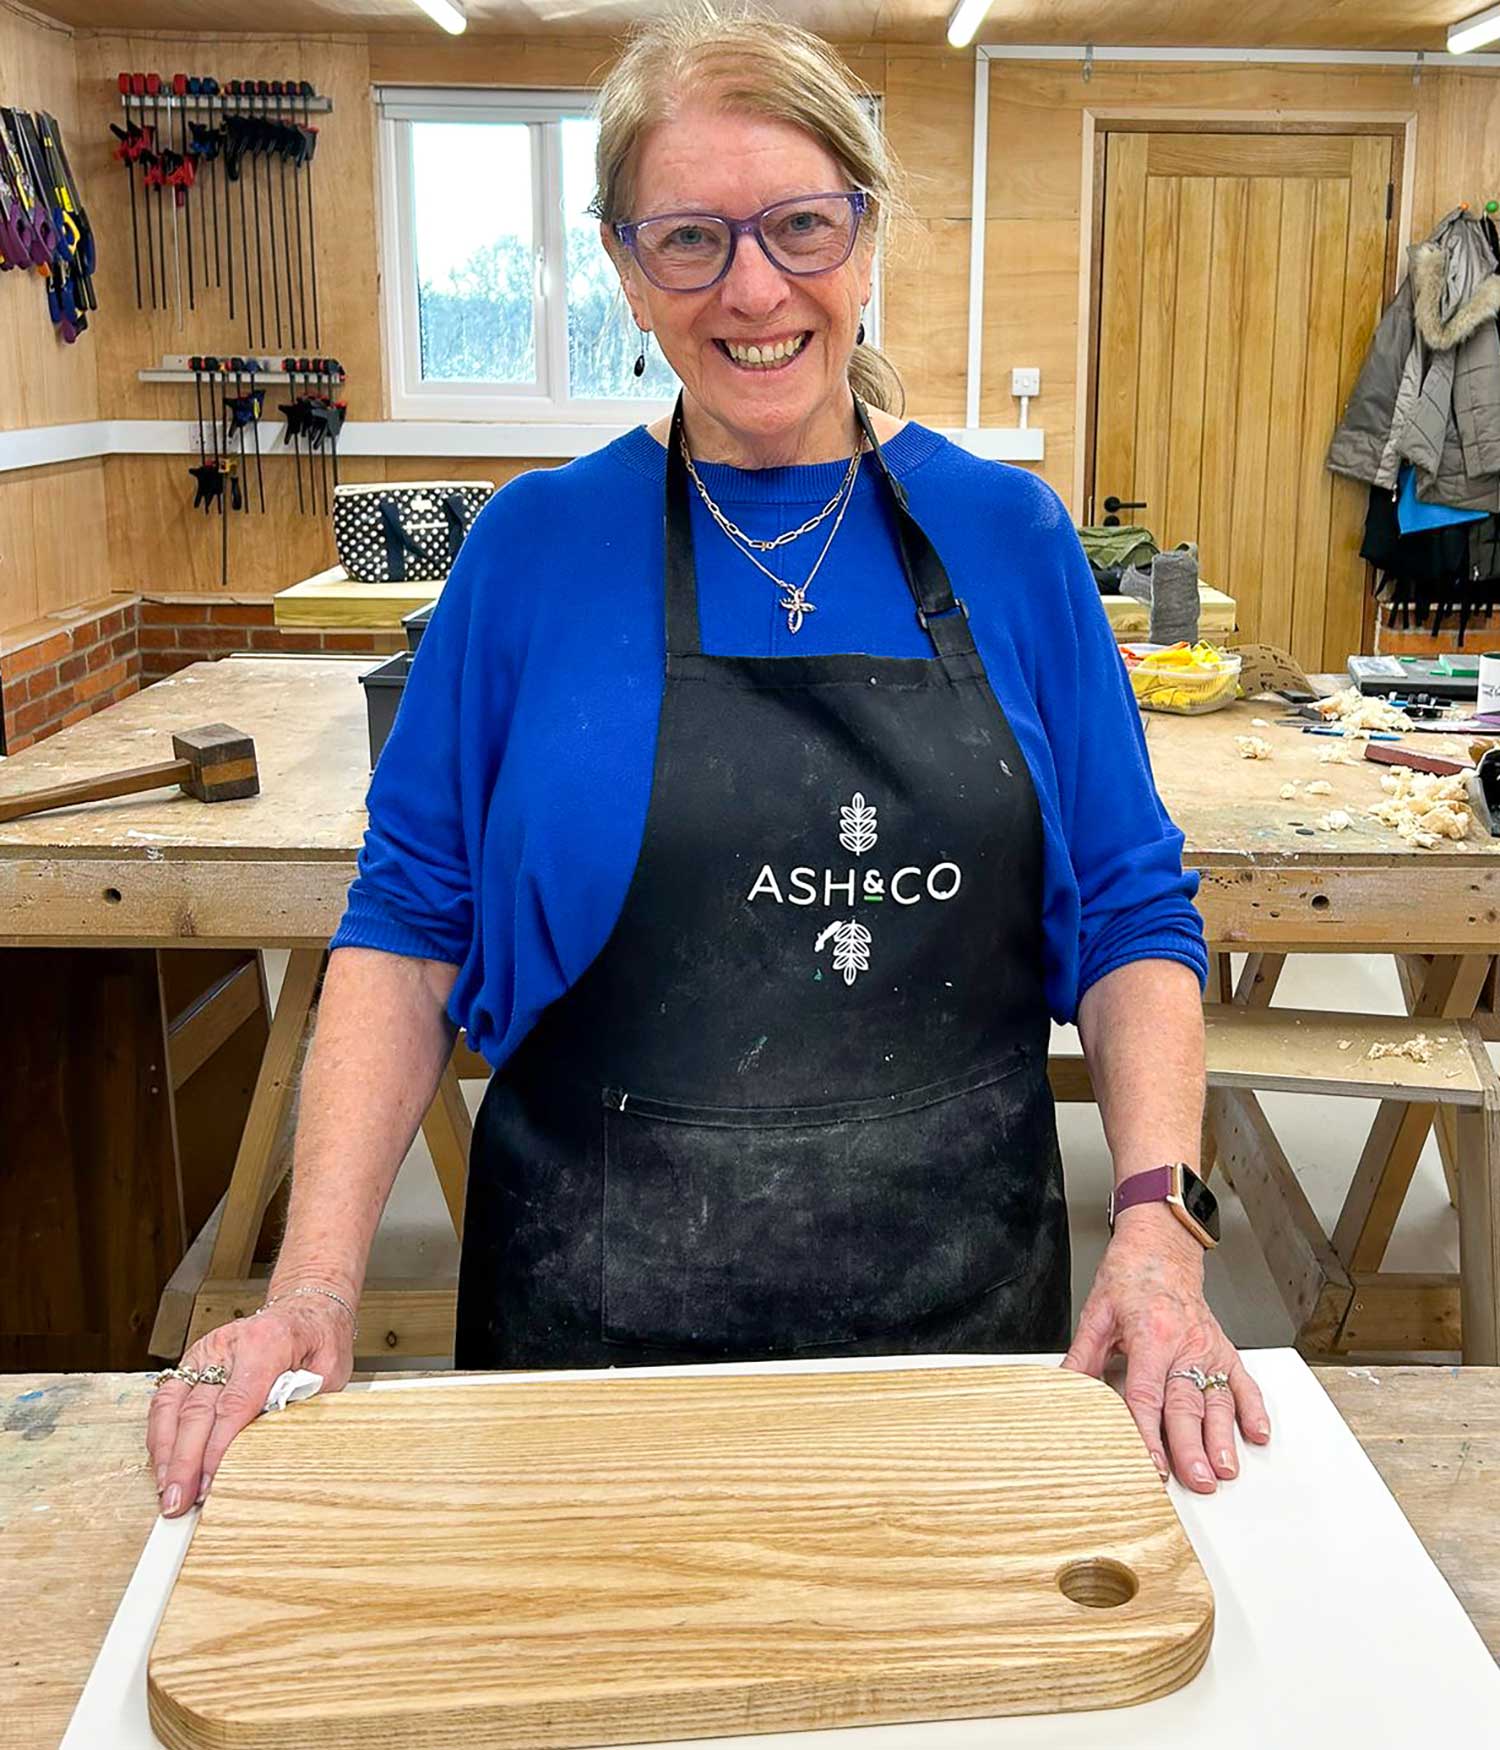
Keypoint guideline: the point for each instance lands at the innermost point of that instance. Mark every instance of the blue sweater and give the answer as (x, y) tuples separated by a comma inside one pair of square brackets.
[(507, 810)]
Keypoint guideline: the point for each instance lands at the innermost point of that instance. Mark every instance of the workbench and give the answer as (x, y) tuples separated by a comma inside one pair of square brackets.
[(136, 885), (77, 1502)]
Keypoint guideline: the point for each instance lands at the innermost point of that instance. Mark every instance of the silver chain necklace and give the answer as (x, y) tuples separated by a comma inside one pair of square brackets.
[(736, 533), (795, 600)]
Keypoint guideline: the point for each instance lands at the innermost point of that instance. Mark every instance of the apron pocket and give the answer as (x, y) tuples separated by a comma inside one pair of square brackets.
[(745, 1229)]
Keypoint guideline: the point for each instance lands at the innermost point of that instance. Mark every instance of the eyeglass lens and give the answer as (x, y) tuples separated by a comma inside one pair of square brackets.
[(802, 236)]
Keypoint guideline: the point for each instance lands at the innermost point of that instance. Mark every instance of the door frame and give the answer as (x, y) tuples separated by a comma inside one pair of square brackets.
[(1098, 124)]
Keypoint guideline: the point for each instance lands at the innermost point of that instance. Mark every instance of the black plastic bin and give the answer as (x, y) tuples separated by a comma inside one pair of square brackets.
[(415, 624), (383, 688)]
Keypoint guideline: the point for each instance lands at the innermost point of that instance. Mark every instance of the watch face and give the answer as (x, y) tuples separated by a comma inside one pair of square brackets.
[(1201, 1204)]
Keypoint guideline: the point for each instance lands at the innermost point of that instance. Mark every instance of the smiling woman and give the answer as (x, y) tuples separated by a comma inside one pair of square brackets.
[(741, 808), (742, 210)]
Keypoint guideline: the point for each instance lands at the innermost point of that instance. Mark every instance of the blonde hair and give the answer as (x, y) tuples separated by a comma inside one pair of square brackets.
[(753, 63)]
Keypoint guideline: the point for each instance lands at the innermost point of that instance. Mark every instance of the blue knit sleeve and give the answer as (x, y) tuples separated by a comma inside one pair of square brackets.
[(414, 891), (1135, 898)]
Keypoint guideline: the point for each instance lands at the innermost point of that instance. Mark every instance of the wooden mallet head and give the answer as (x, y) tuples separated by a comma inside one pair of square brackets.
[(221, 762)]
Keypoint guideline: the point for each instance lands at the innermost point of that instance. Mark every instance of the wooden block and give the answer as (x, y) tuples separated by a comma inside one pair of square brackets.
[(620, 1559)]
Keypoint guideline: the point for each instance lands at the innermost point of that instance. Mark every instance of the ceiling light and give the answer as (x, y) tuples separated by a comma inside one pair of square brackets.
[(967, 17), (445, 13), (1475, 32)]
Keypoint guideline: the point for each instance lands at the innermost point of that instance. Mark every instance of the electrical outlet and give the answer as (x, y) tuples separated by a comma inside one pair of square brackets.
[(1026, 380)]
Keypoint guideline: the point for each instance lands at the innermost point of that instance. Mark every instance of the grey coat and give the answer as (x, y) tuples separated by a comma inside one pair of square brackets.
[(1429, 390)]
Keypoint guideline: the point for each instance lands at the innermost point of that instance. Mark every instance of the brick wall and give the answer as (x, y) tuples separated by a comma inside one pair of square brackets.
[(49, 679), (177, 630)]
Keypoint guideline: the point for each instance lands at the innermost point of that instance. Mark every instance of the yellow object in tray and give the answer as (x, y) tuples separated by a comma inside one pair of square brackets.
[(1187, 679)]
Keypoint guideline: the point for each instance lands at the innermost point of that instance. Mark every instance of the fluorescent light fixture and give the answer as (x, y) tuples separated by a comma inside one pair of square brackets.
[(967, 17), (1475, 32), (445, 13)]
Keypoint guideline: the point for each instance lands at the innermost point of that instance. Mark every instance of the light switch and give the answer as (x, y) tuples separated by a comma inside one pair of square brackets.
[(1026, 380)]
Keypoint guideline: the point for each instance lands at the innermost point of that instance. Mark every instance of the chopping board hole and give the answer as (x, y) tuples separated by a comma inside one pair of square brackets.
[(1100, 1584)]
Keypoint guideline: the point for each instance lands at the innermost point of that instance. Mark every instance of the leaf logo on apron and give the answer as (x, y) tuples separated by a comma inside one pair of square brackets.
[(851, 947), (857, 832)]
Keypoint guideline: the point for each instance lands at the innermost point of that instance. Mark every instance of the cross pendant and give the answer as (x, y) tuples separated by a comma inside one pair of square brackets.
[(797, 606)]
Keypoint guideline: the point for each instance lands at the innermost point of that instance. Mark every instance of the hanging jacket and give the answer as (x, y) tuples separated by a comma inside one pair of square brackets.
[(1429, 390)]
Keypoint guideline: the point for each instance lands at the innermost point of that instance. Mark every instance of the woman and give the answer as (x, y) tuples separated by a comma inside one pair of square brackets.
[(761, 936)]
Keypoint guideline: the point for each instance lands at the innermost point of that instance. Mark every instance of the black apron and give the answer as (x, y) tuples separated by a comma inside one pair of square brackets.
[(799, 1103)]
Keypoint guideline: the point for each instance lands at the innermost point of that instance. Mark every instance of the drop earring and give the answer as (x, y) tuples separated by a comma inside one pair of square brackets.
[(859, 338), (639, 366)]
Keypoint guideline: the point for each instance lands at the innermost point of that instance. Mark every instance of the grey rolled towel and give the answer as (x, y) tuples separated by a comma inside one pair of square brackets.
[(1170, 589)]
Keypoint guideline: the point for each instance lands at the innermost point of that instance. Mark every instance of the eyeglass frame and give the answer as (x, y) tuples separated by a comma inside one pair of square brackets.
[(858, 199)]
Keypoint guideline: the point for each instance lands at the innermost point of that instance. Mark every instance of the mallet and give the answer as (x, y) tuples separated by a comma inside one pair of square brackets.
[(213, 764)]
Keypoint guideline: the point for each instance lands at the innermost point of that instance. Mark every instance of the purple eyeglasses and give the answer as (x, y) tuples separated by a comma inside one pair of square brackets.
[(689, 252)]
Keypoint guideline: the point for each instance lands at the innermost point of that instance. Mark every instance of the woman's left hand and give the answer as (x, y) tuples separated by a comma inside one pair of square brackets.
[(1147, 1303)]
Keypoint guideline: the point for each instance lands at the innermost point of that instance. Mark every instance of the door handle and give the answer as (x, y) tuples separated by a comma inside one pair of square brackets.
[(1113, 506)]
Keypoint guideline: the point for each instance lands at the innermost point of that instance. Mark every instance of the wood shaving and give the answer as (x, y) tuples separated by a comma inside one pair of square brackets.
[(1320, 787), (1253, 747), (1357, 714), (1424, 810), (1259, 723), (1288, 792), (1418, 1049), (1335, 821), (1344, 1044), (1337, 757)]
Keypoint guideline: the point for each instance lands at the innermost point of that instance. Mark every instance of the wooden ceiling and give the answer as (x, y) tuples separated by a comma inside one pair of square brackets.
[(1341, 24)]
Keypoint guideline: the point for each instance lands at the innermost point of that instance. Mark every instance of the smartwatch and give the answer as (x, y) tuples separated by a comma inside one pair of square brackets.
[(1184, 1193)]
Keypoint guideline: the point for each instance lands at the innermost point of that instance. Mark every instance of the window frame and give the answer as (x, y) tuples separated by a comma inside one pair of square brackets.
[(410, 395)]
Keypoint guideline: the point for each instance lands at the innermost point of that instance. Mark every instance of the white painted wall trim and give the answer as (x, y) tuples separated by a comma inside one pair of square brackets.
[(40, 446)]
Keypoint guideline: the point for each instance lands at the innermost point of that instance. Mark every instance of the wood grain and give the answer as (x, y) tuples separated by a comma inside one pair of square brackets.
[(626, 1559)]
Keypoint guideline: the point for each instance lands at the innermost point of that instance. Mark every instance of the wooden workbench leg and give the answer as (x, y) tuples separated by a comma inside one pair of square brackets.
[(1254, 990), (1216, 990), (1478, 1139), (1411, 969), (1389, 1159), (449, 1131), (259, 1166)]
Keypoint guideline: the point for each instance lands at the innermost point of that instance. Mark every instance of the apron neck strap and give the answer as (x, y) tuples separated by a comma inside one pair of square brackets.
[(943, 617)]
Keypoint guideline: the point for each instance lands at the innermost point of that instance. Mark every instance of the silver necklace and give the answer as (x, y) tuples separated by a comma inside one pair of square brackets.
[(795, 600), (738, 534)]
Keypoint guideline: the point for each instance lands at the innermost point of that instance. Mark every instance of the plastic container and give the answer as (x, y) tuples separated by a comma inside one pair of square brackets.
[(1187, 690), (383, 689), (415, 624)]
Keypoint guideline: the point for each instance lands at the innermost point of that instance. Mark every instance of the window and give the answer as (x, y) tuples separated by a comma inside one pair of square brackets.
[(500, 302)]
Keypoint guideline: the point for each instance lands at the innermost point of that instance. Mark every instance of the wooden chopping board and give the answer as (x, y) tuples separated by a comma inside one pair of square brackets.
[(616, 1559)]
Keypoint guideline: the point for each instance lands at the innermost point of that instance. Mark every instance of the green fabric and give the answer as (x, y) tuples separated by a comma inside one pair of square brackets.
[(1128, 545)]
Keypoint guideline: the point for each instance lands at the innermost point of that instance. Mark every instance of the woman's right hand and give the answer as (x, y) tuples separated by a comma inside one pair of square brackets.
[(189, 1427)]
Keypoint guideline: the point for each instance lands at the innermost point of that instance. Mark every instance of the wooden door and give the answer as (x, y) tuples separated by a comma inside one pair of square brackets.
[(1242, 277)]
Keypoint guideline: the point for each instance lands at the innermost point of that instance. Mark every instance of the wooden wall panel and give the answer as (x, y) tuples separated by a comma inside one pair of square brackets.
[(348, 276), (42, 380), (53, 549), (1036, 146), (160, 543)]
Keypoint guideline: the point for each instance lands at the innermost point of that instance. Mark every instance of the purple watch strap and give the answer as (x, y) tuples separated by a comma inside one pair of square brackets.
[(1154, 1186)]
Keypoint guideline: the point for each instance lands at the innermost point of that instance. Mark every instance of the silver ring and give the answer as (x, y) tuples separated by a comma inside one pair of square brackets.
[(186, 1374), (214, 1374), (1205, 1382)]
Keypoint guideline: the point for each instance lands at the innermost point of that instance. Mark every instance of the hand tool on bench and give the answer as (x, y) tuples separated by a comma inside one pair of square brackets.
[(213, 764)]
